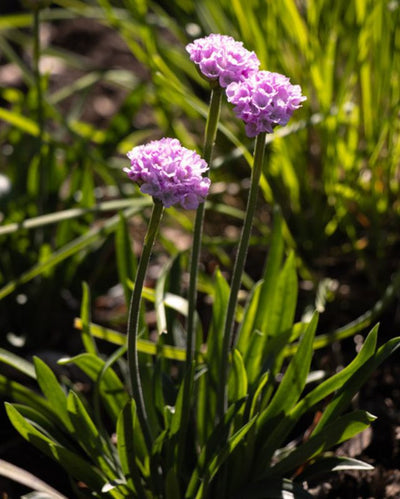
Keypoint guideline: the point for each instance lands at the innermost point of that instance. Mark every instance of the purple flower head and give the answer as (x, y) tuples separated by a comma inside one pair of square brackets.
[(264, 100), (169, 172), (221, 58)]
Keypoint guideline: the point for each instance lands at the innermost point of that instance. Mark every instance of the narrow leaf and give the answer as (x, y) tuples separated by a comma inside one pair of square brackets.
[(320, 392), (294, 379), (87, 338), (112, 391), (214, 442), (19, 393), (131, 447), (18, 363), (144, 346), (237, 384), (93, 235), (88, 437), (271, 273), (218, 460), (52, 391), (338, 431), (347, 391), (330, 463), (71, 462), (45, 424)]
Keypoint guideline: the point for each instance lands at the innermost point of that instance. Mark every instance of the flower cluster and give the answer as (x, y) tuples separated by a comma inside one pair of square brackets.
[(264, 100), (222, 58), (172, 174), (169, 172)]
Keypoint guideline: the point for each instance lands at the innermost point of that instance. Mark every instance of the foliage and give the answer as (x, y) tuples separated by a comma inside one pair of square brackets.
[(340, 161), (73, 429), (344, 167)]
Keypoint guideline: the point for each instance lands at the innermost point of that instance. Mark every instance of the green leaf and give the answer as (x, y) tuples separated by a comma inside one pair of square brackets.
[(18, 363), (215, 441), (59, 216), (237, 383), (278, 321), (88, 437), (22, 122), (159, 296), (260, 304), (111, 389), (253, 357), (45, 424), (340, 430), (158, 393), (52, 391), (320, 392), (73, 464), (256, 399), (172, 489), (205, 424), (178, 427), (221, 456), (246, 326), (131, 447), (385, 351), (95, 234), (178, 412), (87, 338), (214, 341), (347, 391), (330, 463), (282, 310), (98, 413), (19, 393), (294, 379), (144, 346), (287, 394), (208, 383), (271, 275)]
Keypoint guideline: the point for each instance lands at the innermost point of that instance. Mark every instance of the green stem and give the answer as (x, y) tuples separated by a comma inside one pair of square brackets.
[(133, 321), (209, 140), (238, 272)]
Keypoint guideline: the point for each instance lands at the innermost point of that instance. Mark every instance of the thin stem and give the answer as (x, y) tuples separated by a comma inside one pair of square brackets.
[(133, 321), (238, 272), (209, 140)]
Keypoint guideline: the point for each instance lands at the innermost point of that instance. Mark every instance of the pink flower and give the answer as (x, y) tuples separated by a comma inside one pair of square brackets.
[(264, 100), (221, 58), (169, 172)]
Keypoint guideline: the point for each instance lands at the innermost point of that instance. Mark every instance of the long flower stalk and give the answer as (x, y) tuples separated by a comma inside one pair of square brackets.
[(209, 140), (238, 272), (133, 321)]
